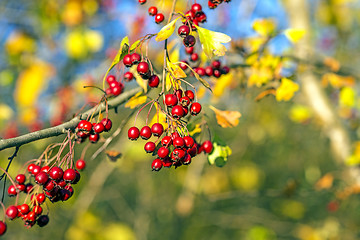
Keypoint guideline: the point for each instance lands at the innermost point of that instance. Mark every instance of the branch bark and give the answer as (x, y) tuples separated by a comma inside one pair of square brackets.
[(71, 124)]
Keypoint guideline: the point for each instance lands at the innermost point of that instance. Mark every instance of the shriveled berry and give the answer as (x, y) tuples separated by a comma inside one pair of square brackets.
[(61, 183), (192, 151), (163, 152), (207, 146), (133, 133), (170, 100), (166, 141), (12, 212), (69, 175), (152, 11), (186, 110), (195, 108), (183, 31), (149, 147), (177, 112), (156, 165), (159, 18), (128, 76), (225, 70), (80, 164), (135, 58), (154, 81), (145, 132), (20, 178), (56, 173), (189, 41), (157, 129), (77, 178)]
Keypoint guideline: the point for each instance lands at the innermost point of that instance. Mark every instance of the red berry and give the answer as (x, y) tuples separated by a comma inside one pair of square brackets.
[(21, 187), (69, 175), (156, 165), (195, 108), (128, 76), (185, 101), (186, 110), (178, 142), (207, 146), (117, 90), (12, 212), (28, 187), (170, 100), (127, 60), (36, 170), (178, 154), (194, 23), (159, 18), (183, 65), (189, 50), (157, 129), (201, 17), (31, 216), (183, 31), (133, 133), (163, 152), (2, 228), (209, 71), (190, 15), (107, 124), (177, 112), (50, 185), (80, 164), (20, 178), (135, 58), (45, 169), (61, 183), (85, 125), (154, 81), (145, 132), (192, 151), (41, 178), (40, 198), (143, 68), (142, 2), (216, 64), (225, 70), (194, 57), (94, 138), (166, 162), (150, 147), (30, 168), (189, 41), (200, 71), (196, 8), (166, 141), (38, 210), (24, 208), (56, 173), (217, 73), (190, 94), (211, 4), (189, 141), (110, 79), (99, 127), (152, 11), (186, 160), (174, 135), (178, 93)]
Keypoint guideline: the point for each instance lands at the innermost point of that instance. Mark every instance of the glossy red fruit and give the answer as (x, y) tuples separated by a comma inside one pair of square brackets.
[(149, 147), (183, 31), (178, 142), (185, 101), (157, 129), (178, 93), (133, 133), (170, 100), (193, 24), (117, 90), (183, 65), (192, 151), (36, 170), (30, 168), (196, 8), (156, 165), (166, 141), (154, 81), (189, 141), (135, 58), (80, 164), (201, 17), (45, 169), (190, 15), (178, 154), (94, 138), (163, 152), (20, 178), (159, 18), (209, 71), (50, 185), (21, 187), (28, 187), (107, 124), (189, 50), (12, 212), (189, 41), (78, 176), (127, 60), (166, 162), (212, 5), (24, 208), (190, 94), (143, 68), (69, 175), (195, 108), (56, 173), (177, 112), (41, 178), (152, 11), (194, 57), (217, 73), (207, 146), (2, 228), (174, 135), (61, 183), (186, 110), (216, 64), (145, 132), (186, 160), (128, 76), (98, 128), (142, 2), (200, 71), (85, 125), (40, 198), (110, 79)]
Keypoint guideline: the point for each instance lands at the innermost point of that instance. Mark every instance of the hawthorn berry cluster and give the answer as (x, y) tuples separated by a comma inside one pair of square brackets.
[(115, 88), (86, 129), (215, 3), (153, 11)]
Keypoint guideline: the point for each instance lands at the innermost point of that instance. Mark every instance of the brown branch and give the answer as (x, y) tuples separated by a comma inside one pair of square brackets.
[(62, 128)]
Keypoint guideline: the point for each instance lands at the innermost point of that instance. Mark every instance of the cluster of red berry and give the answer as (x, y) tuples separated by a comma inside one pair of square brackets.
[(143, 68), (153, 11), (214, 3), (115, 87), (86, 129)]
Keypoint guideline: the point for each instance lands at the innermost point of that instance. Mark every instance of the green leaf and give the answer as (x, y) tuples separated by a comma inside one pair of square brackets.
[(212, 42), (123, 50), (166, 31)]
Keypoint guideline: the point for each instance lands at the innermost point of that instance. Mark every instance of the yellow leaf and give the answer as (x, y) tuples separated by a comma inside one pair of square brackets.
[(197, 129), (135, 101), (166, 31), (159, 117), (286, 90), (300, 114), (142, 83), (337, 81), (175, 70), (294, 34), (211, 42), (94, 40), (332, 63), (226, 118), (347, 97), (224, 81), (135, 45), (325, 182), (265, 93), (6, 112), (264, 27)]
